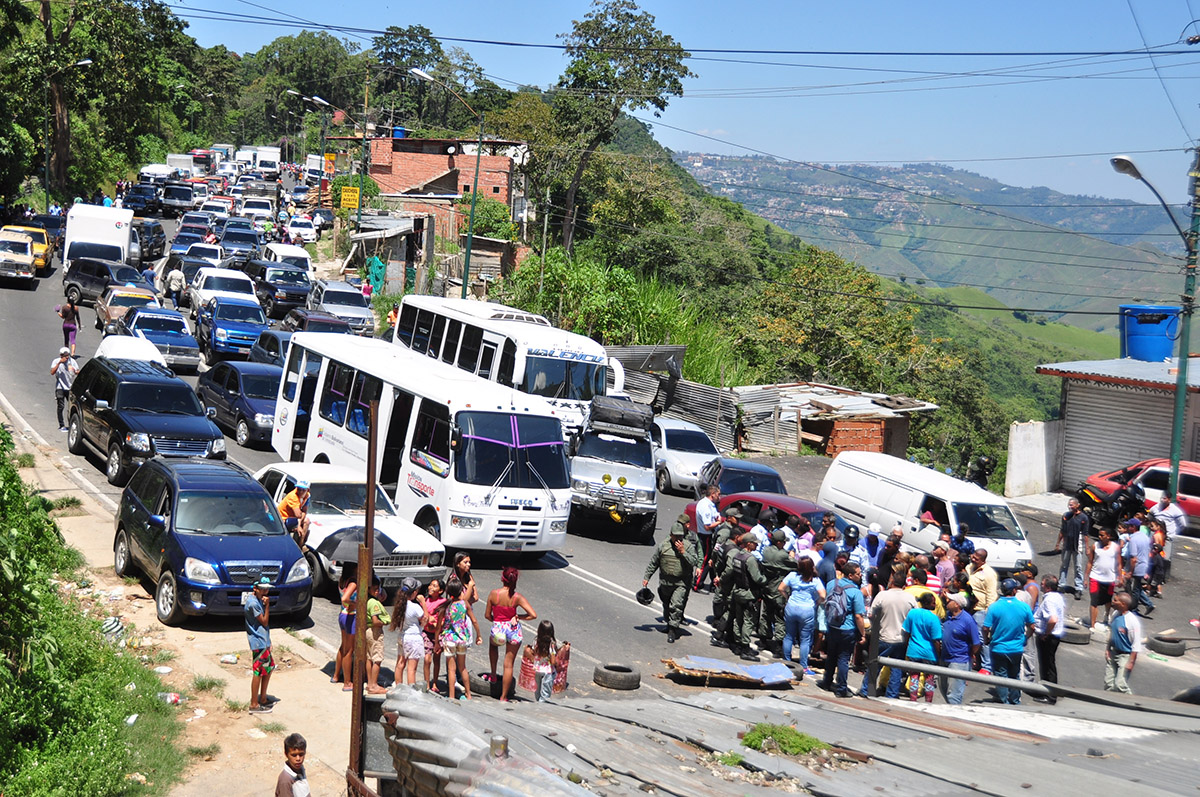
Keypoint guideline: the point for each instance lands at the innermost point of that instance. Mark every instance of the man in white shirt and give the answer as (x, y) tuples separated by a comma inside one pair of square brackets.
[(707, 520), (1175, 519), (1049, 625), (762, 531), (63, 369)]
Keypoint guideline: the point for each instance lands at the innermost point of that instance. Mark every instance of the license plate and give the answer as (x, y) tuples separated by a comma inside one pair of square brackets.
[(246, 597), (513, 546), (391, 583)]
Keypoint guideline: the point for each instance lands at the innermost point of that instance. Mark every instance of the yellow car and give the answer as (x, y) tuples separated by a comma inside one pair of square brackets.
[(16, 256), (41, 253)]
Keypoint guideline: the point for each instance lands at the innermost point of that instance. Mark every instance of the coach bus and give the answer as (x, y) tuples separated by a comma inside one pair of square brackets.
[(510, 347), (479, 466)]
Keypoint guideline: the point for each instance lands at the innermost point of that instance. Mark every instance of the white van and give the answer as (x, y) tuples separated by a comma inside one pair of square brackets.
[(865, 487), (290, 254)]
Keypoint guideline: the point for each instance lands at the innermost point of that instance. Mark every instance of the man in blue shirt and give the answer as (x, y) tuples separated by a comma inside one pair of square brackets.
[(1006, 626), (961, 643), (843, 631), (923, 637), (257, 612), (1137, 550)]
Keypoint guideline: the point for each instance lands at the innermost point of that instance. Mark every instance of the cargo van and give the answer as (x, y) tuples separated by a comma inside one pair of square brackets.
[(97, 232), (865, 487)]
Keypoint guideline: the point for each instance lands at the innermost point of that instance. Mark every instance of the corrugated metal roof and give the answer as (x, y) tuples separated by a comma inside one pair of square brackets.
[(1126, 370)]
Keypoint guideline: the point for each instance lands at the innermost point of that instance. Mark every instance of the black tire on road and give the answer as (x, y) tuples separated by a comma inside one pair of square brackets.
[(646, 528), (74, 295), (321, 582), (1077, 634), (121, 561), (481, 686), (114, 467), (622, 677), (75, 434), (166, 600), (1166, 645)]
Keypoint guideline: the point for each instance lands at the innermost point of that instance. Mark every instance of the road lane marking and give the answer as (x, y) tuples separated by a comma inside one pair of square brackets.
[(599, 582)]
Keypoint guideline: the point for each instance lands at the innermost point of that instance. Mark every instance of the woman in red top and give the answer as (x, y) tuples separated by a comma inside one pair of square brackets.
[(503, 607)]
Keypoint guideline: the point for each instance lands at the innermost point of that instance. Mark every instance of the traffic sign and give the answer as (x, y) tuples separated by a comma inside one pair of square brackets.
[(349, 196)]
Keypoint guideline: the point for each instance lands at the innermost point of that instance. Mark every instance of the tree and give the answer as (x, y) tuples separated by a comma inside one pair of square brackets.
[(399, 50), (619, 61), (493, 218)]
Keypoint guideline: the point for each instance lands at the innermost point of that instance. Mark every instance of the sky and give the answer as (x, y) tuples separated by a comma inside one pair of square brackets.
[(1027, 116)]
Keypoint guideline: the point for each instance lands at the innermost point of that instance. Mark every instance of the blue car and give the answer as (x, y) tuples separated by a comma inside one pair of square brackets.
[(184, 240), (166, 329), (205, 532), (227, 327), (271, 347), (243, 396)]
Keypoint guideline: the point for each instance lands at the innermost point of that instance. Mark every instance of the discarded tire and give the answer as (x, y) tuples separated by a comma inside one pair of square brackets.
[(481, 685), (1189, 695), (1166, 645), (1077, 634), (623, 677)]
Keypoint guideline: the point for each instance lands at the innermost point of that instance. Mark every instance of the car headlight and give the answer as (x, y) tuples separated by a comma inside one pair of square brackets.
[(222, 334), (435, 558), (558, 526), (262, 419), (217, 446), (1020, 565), (641, 495), (465, 522), (579, 485), (280, 294), (138, 441), (299, 571), (200, 571)]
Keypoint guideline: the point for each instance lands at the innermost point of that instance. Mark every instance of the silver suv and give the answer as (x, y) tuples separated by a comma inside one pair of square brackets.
[(344, 301)]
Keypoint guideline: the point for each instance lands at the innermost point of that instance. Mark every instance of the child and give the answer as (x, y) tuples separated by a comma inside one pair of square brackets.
[(435, 601), (544, 654), (376, 617), (292, 781), (455, 634), (407, 615), (257, 613), (1158, 570)]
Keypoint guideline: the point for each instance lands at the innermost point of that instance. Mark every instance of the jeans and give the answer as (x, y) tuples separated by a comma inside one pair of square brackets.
[(1116, 678), (1137, 590), (1007, 665), (839, 646), (891, 650), (1047, 648), (60, 403), (953, 688), (985, 650), (1029, 661), (799, 623), (543, 685), (1072, 557)]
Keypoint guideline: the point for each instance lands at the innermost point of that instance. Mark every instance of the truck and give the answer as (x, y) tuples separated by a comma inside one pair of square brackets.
[(157, 173), (268, 162), (97, 232), (178, 198), (226, 151), (247, 157), (313, 169), (182, 163), (262, 189), (612, 466)]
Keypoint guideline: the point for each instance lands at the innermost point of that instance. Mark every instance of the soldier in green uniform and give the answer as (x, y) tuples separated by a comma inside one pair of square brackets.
[(675, 559), (776, 564), (724, 544), (746, 585)]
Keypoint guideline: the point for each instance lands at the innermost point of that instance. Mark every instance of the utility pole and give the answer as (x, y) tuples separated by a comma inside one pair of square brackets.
[(545, 229), (1188, 302), (362, 168)]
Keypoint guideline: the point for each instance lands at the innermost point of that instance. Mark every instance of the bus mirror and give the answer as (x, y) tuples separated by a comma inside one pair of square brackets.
[(456, 438)]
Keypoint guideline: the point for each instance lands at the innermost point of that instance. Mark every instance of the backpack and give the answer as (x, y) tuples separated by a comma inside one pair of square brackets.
[(837, 605)]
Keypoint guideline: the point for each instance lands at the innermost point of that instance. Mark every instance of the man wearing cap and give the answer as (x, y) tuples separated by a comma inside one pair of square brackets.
[(724, 546), (943, 564), (675, 559), (960, 645), (1006, 625), (294, 506), (1137, 552), (63, 369), (745, 585), (776, 564), (854, 551), (256, 611)]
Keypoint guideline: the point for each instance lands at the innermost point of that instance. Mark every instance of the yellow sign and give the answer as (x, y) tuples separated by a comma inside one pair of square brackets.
[(330, 163), (349, 197)]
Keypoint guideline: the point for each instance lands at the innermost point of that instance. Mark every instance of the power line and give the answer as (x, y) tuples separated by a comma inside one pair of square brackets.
[(1153, 63)]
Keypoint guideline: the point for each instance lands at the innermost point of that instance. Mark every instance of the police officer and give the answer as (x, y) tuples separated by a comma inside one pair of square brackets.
[(776, 564), (675, 559), (724, 545), (746, 583)]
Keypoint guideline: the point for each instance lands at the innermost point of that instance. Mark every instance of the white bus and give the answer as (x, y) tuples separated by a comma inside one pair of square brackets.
[(512, 347), (479, 466)]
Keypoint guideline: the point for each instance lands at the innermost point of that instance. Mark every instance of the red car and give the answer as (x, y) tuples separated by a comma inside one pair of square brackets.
[(1153, 475), (751, 504)]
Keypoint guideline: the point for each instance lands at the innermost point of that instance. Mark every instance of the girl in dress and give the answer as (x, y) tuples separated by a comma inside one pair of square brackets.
[(455, 632)]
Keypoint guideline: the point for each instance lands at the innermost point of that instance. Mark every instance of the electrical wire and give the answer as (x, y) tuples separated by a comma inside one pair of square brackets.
[(1170, 100)]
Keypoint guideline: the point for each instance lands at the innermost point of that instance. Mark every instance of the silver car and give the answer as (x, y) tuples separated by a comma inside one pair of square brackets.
[(344, 301)]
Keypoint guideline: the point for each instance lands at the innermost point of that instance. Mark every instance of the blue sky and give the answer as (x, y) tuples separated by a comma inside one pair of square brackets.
[(847, 108)]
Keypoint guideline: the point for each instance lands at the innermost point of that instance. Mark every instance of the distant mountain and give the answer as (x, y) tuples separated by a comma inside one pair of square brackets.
[(938, 226)]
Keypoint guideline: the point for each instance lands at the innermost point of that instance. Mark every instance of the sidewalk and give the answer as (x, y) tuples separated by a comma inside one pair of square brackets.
[(250, 753)]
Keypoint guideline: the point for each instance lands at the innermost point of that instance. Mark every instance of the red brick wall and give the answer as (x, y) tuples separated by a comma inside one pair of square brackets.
[(864, 435), (400, 171)]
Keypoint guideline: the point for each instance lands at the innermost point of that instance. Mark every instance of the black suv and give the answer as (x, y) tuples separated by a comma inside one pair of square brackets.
[(152, 237), (85, 278), (304, 320), (239, 244), (129, 410), (142, 198), (205, 532), (279, 287)]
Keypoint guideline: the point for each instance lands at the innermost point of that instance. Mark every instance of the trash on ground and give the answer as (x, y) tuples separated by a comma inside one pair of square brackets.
[(129, 687), (170, 698), (132, 718), (229, 658), (163, 670), (704, 667)]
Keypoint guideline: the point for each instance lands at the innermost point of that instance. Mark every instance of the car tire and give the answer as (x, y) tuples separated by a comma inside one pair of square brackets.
[(1077, 634), (663, 481), (270, 308), (301, 615), (122, 564), (1166, 645), (621, 677), (431, 525), (166, 600), (114, 467), (242, 432), (322, 583), (210, 357), (647, 528), (75, 435), (74, 295)]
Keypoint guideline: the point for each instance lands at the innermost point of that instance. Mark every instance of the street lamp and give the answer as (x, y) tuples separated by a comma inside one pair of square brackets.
[(321, 106), (423, 75), (1124, 165), (46, 122)]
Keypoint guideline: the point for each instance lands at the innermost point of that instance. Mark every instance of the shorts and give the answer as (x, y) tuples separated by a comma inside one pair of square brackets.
[(506, 633), (374, 645), (264, 662), (412, 646), (455, 650), (346, 621), (1102, 592)]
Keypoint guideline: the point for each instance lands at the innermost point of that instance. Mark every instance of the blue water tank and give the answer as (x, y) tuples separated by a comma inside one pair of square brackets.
[(1149, 331), (398, 132)]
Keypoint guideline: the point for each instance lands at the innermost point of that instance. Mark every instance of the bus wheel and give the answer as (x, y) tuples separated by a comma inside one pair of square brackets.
[(429, 521)]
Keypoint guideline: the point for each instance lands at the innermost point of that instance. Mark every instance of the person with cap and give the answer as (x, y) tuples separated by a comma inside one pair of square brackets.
[(1073, 532), (943, 565), (960, 645), (256, 611), (854, 550), (408, 614), (1124, 645), (730, 527), (675, 559), (63, 369), (393, 315), (724, 545), (982, 581), (1137, 553), (746, 582), (873, 545), (294, 507), (1006, 625), (776, 564), (1049, 626)]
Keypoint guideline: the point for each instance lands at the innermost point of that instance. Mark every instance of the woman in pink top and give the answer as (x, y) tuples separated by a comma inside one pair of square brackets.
[(435, 601), (503, 605)]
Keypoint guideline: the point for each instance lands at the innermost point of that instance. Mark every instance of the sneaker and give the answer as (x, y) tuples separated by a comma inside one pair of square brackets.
[(982, 671), (260, 709), (809, 673), (63, 429)]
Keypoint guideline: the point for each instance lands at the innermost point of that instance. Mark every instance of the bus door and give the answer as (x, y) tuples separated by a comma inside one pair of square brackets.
[(489, 355), (395, 415), (294, 409)]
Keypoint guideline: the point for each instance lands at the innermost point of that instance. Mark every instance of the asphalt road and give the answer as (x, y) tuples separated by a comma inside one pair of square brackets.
[(587, 588)]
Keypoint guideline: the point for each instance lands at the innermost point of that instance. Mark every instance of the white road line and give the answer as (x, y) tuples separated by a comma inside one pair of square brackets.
[(76, 473), (12, 413), (599, 582)]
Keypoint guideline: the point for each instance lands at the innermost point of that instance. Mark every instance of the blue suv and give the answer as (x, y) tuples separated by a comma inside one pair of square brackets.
[(204, 532), (228, 326)]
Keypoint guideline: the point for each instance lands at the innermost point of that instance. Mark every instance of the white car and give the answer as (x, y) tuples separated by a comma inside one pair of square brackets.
[(210, 253), (210, 282), (337, 500), (680, 450), (301, 227), (218, 210)]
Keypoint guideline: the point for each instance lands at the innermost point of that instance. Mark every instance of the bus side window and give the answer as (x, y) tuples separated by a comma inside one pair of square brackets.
[(291, 377), (431, 439), (468, 355), (397, 434), (508, 362), (366, 390), (420, 339), (435, 337), (486, 359), (336, 393), (406, 324), (453, 333)]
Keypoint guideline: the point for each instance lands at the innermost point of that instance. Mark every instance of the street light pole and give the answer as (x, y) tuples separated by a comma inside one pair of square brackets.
[(1124, 165)]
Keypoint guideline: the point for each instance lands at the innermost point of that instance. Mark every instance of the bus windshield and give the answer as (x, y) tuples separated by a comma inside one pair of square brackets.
[(993, 521), (566, 379), (515, 451)]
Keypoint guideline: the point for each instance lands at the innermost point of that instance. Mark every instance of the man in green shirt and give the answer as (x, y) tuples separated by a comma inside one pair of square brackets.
[(776, 564), (675, 559), (746, 584)]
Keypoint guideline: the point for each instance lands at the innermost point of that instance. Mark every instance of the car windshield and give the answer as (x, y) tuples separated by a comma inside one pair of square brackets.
[(256, 204), (750, 481), (131, 300), (143, 191), (515, 451), (993, 521), (260, 386), (178, 192), (230, 284), (193, 229), (325, 325), (240, 312), (194, 218), (14, 247), (569, 379), (286, 276), (160, 323), (204, 251), (691, 441), (613, 448), (348, 499), (239, 236), (126, 275), (55, 223), (170, 399), (38, 236), (186, 239), (294, 260), (302, 224), (214, 207), (205, 512), (344, 298)]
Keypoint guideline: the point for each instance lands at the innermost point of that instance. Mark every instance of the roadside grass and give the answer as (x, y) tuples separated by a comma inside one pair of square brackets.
[(236, 706), (209, 683), (161, 656), (272, 727), (66, 502), (207, 751), (26, 461), (308, 640)]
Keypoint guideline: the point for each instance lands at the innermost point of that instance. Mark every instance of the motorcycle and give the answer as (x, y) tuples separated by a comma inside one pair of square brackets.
[(1107, 509)]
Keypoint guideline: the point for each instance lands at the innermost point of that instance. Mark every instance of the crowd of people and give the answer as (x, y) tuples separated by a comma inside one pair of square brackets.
[(830, 599)]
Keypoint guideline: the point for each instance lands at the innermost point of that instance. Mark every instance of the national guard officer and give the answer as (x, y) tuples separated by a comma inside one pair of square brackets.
[(746, 584), (724, 545), (675, 559), (776, 564)]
